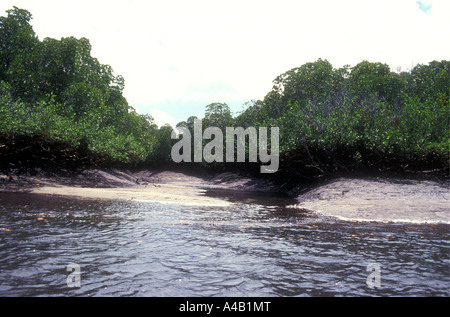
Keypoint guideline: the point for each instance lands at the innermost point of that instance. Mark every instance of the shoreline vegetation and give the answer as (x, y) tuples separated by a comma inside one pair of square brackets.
[(65, 122)]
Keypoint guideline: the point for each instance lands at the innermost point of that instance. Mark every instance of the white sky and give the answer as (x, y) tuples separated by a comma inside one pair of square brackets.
[(179, 56)]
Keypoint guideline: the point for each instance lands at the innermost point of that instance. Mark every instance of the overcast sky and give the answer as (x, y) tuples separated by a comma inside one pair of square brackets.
[(179, 56)]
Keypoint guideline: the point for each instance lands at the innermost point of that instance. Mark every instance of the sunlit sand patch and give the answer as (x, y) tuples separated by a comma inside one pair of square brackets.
[(167, 194)]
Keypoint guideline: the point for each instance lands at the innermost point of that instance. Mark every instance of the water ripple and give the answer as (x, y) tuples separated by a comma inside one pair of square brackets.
[(150, 249)]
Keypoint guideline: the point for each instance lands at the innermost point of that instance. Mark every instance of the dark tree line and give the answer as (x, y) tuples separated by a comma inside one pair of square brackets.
[(59, 104), (56, 98)]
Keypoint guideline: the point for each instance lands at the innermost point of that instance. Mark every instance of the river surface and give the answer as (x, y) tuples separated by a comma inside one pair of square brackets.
[(253, 248)]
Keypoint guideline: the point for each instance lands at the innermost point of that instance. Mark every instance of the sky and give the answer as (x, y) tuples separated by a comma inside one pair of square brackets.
[(178, 56)]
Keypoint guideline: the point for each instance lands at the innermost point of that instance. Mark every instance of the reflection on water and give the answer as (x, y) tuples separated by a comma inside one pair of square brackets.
[(254, 248)]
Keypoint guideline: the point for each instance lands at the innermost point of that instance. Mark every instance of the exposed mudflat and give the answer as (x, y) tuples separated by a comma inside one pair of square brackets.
[(165, 187), (368, 199), (386, 200)]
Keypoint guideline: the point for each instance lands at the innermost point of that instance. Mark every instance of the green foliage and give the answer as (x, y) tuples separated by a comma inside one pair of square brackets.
[(430, 81), (218, 115), (360, 116), (367, 79), (16, 38), (353, 117), (54, 91), (163, 146)]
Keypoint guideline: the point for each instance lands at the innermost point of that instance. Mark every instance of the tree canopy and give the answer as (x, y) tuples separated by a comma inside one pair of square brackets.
[(55, 92), (57, 101)]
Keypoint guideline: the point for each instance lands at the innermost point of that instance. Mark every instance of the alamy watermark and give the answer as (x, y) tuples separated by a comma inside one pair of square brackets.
[(374, 278), (74, 278), (213, 151)]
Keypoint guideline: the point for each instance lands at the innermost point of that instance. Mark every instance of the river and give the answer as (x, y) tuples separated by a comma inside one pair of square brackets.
[(255, 247)]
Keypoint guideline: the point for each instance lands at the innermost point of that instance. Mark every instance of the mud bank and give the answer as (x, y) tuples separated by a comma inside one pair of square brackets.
[(144, 185), (360, 199), (156, 186), (385, 200)]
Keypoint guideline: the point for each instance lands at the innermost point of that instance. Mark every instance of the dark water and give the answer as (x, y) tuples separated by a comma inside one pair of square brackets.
[(255, 248)]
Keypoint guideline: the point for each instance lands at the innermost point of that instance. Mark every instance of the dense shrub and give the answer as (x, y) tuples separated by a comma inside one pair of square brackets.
[(54, 93)]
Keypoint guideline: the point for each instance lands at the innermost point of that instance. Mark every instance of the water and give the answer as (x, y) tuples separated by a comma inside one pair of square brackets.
[(253, 248)]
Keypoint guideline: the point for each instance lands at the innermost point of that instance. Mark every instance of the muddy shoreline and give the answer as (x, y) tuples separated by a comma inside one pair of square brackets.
[(353, 198), (380, 199), (145, 184)]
